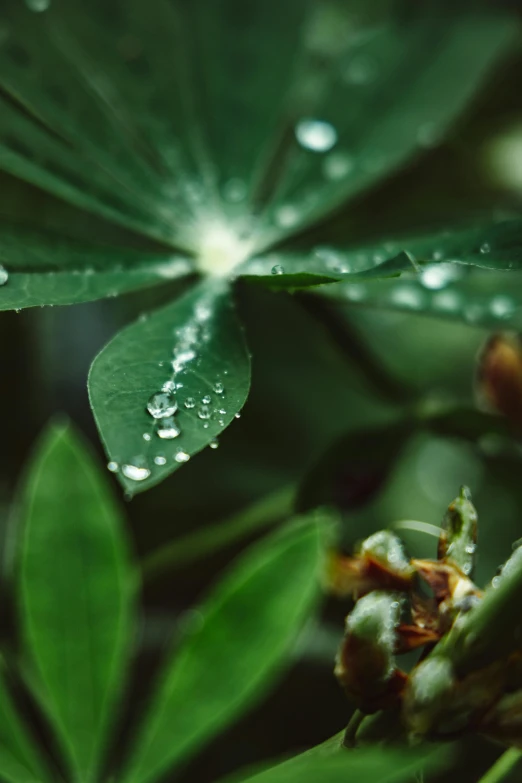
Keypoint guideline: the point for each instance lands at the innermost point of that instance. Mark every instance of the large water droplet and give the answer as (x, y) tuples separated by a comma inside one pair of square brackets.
[(168, 429), (113, 466), (181, 456), (4, 276), (214, 443), (337, 165), (315, 135), (436, 276), (277, 270), (135, 473), (161, 405)]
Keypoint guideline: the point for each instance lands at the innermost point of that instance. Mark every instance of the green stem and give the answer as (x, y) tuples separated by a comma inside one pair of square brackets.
[(186, 550), (349, 739), (502, 766)]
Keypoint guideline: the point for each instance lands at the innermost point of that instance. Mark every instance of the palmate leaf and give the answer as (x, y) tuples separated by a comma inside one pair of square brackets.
[(76, 587), (331, 763), (49, 269), (193, 353), (242, 636)]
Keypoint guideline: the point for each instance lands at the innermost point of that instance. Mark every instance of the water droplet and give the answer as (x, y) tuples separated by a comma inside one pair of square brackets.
[(355, 292), (4, 276), (485, 248), (181, 456), (222, 411), (337, 165), (160, 460), (146, 436), (219, 388), (470, 548), (168, 386), (135, 473), (161, 405), (287, 216), (428, 135), (360, 70), (190, 402), (234, 190), (204, 412), (113, 466), (206, 425), (447, 301), (214, 443), (237, 416), (407, 296), (277, 270), (38, 5), (467, 568), (206, 400), (501, 306), (315, 135), (168, 429), (436, 276), (495, 581)]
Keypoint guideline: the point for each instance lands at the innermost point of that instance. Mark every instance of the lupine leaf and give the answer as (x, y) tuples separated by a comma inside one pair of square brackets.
[(229, 660), (195, 348), (76, 589)]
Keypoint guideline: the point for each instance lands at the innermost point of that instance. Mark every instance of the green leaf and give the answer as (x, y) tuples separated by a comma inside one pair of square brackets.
[(42, 268), (195, 344), (451, 280), (76, 587), (243, 635), (19, 759), (331, 763)]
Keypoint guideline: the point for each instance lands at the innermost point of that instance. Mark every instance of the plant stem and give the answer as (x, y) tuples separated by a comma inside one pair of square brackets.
[(502, 766), (355, 721), (183, 551)]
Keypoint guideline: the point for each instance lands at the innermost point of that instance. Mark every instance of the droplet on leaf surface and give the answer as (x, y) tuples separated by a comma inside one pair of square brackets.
[(316, 135), (4, 276), (161, 405), (135, 473)]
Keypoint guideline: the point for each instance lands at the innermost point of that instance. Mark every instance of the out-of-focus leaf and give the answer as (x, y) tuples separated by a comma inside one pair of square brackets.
[(243, 635), (355, 469), (331, 763), (454, 284), (325, 267), (165, 117), (76, 590), (19, 759), (194, 350), (43, 269)]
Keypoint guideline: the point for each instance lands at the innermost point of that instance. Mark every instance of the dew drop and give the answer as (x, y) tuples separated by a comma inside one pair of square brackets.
[(447, 301), (287, 216), (168, 386), (204, 412), (237, 416), (222, 412), (355, 292), (234, 190), (277, 270), (113, 466), (470, 548), (337, 165), (206, 400), (4, 276), (485, 248), (135, 473), (181, 456), (406, 296), (190, 402), (437, 276), (160, 460), (38, 5), (214, 443), (495, 581), (146, 436), (168, 429), (219, 388), (162, 404), (501, 306), (315, 135)]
